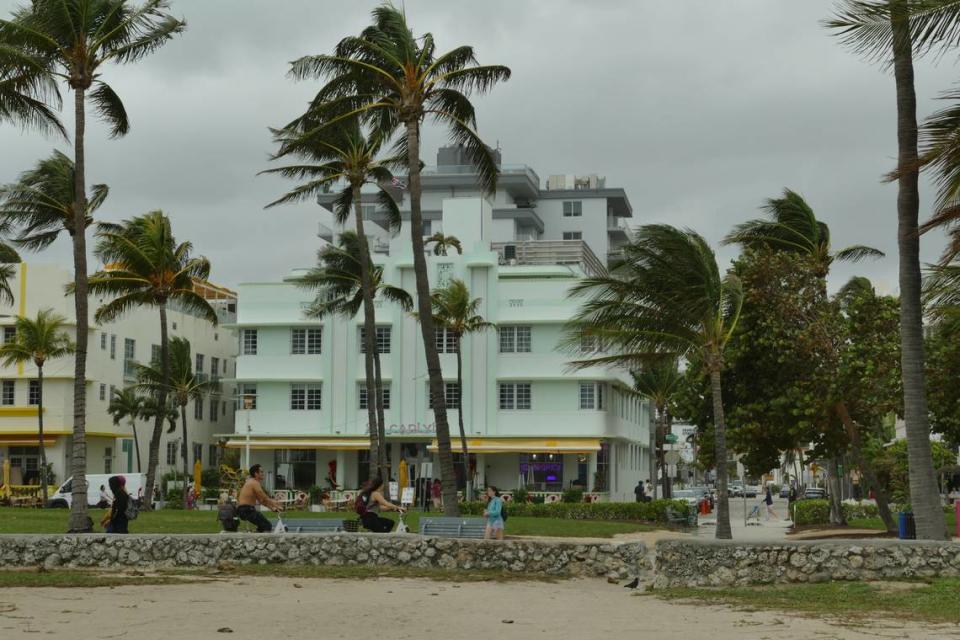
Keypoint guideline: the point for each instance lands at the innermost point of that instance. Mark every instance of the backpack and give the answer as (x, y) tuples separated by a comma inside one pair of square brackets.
[(503, 510), (360, 505), (131, 510)]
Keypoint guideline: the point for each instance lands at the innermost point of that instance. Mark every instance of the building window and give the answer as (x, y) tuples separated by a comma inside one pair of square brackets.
[(129, 349), (451, 393), (34, 396), (305, 341), (305, 397), (248, 397), (155, 353), (362, 394), (249, 346), (383, 340), (572, 208), (9, 393), (446, 340), (108, 460), (592, 396), (214, 367), (590, 343), (172, 452), (103, 392), (199, 363), (197, 453), (198, 409), (113, 347), (214, 407), (514, 339), (573, 235), (514, 395), (103, 341), (111, 391), (213, 459), (9, 334)]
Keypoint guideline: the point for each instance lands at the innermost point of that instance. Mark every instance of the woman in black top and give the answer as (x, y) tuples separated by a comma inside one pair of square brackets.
[(116, 519)]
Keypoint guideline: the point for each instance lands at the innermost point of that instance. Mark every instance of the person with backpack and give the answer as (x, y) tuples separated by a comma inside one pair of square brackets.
[(369, 502), (495, 515), (122, 510)]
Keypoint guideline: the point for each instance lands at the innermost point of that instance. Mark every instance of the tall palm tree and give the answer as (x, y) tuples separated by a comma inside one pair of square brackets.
[(37, 341), (666, 297), (127, 403), (182, 385), (392, 78), (455, 311), (338, 282), (8, 258), (657, 381), (792, 226), (346, 154), (893, 32), (147, 268), (442, 243), (70, 41)]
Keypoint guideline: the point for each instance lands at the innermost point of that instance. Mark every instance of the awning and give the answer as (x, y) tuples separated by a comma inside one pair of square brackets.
[(523, 445), (25, 440), (333, 444)]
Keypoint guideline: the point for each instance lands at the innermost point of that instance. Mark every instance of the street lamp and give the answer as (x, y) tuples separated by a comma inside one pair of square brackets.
[(249, 402)]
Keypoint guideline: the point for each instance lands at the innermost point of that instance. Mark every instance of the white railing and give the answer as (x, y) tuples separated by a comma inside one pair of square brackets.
[(550, 252)]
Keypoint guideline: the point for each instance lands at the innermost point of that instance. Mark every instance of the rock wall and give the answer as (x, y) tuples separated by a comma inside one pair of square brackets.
[(717, 563), (556, 558)]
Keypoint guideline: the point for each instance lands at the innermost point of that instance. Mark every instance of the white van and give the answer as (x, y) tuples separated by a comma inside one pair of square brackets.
[(63, 496)]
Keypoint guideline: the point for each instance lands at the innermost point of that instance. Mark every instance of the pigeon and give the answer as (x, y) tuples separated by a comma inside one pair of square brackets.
[(632, 585)]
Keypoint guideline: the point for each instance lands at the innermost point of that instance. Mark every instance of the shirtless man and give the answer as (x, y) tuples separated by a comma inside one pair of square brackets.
[(251, 494)]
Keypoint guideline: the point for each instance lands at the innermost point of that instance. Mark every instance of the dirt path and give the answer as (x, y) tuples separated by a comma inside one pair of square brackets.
[(257, 608)]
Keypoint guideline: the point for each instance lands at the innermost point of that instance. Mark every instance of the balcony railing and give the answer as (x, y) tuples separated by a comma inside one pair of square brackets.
[(466, 169), (550, 252)]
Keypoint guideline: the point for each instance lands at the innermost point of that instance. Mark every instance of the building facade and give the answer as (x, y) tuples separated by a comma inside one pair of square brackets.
[(114, 350), (531, 419)]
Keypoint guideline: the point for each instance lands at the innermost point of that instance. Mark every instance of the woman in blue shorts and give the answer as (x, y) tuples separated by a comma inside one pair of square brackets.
[(494, 515)]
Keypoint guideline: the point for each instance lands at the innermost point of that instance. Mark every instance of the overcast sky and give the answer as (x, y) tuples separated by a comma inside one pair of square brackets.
[(699, 109)]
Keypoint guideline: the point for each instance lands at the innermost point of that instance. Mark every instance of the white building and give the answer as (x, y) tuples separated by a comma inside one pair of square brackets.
[(530, 418), (113, 351)]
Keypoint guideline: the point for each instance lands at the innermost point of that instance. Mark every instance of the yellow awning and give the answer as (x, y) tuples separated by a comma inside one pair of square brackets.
[(334, 444), (524, 445)]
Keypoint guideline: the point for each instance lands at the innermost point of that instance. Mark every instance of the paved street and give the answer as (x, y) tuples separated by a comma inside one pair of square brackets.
[(767, 530)]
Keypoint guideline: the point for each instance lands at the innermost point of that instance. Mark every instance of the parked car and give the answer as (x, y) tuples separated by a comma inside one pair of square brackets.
[(704, 494), (735, 490), (815, 493), (63, 496), (692, 497), (751, 491)]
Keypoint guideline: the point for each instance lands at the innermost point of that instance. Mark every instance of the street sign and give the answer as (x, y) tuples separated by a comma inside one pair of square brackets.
[(671, 438), (672, 457)]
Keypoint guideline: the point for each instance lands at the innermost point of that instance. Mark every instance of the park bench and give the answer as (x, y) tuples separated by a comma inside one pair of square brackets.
[(453, 527), (688, 519), (314, 525)]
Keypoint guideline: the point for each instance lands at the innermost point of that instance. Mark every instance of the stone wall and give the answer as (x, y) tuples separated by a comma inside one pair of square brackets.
[(557, 558), (724, 563)]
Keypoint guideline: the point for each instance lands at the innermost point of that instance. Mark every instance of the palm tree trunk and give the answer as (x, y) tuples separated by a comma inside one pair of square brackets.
[(369, 341), (80, 521), (924, 494), (43, 451), (136, 444), (468, 483), (447, 477), (186, 448), (382, 460), (720, 431), (836, 504), (153, 458), (866, 469), (654, 425)]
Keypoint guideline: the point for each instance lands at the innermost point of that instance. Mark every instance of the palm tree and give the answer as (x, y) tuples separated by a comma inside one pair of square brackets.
[(893, 31), (182, 385), (127, 403), (338, 282), (147, 268), (392, 78), (455, 311), (8, 258), (346, 154), (37, 341), (657, 381), (793, 227), (441, 243), (666, 297), (51, 41)]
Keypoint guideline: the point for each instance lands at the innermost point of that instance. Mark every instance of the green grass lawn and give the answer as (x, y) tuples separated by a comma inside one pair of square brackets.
[(936, 601), (18, 520), (877, 523)]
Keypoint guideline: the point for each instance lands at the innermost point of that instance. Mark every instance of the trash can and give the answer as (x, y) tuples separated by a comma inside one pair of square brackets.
[(956, 504), (908, 528)]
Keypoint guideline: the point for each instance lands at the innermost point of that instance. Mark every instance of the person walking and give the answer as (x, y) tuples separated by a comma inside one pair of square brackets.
[(436, 494), (115, 520), (494, 515), (640, 492), (791, 499), (368, 505), (251, 494), (768, 500)]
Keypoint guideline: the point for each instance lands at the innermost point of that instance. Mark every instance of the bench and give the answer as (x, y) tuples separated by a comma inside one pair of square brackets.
[(688, 519), (313, 525), (453, 527)]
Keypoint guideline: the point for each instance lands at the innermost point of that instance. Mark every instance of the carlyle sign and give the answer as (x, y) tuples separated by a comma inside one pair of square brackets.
[(409, 429)]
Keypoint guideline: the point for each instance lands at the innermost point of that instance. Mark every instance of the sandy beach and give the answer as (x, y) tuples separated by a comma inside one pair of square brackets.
[(263, 607)]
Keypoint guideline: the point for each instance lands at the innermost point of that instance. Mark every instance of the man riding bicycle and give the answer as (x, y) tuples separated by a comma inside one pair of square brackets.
[(251, 494)]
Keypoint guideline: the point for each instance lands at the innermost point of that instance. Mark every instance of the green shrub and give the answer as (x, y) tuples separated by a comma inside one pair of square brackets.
[(572, 495), (174, 499), (621, 511), (210, 478), (811, 512), (521, 496)]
